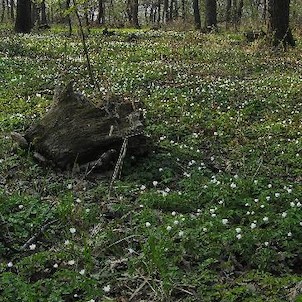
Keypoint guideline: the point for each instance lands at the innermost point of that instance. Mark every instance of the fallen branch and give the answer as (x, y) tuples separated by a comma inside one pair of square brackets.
[(119, 164)]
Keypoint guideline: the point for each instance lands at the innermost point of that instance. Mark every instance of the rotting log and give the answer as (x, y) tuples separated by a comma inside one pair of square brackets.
[(75, 132)]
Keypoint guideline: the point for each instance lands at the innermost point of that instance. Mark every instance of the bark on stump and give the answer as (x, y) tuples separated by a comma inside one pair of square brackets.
[(75, 131)]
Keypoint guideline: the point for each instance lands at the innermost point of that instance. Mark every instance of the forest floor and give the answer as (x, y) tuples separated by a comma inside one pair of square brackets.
[(213, 213)]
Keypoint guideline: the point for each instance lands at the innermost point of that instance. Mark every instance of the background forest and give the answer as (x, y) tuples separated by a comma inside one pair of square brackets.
[(213, 212)]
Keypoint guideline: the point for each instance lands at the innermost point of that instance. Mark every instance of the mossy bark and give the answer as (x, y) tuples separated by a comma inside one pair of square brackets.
[(75, 131)]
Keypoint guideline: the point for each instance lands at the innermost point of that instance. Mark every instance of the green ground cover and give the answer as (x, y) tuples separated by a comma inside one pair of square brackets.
[(214, 213)]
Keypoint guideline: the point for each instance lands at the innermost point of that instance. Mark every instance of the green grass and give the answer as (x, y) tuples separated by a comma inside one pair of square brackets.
[(214, 213)]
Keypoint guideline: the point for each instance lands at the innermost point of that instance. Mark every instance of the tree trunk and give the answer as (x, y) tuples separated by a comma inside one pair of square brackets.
[(239, 13), (278, 25), (68, 18), (35, 18), (3, 11), (264, 10), (166, 12), (129, 11), (183, 10), (74, 131), (23, 18), (12, 4), (228, 13), (158, 10), (134, 10), (197, 20), (7, 9), (101, 12), (171, 10), (43, 13), (211, 15)]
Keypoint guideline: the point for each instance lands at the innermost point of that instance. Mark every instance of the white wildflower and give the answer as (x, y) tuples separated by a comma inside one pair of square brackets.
[(253, 225), (224, 221), (10, 264), (238, 230), (106, 288), (32, 247), (180, 233)]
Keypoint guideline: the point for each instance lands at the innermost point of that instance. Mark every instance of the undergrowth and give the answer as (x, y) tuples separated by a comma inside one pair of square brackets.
[(213, 213)]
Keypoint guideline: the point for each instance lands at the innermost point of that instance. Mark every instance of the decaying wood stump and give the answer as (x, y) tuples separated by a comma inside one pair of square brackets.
[(75, 131)]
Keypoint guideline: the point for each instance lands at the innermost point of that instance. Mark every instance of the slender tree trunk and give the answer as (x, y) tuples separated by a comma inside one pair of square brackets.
[(239, 13), (12, 5), (151, 14), (158, 10), (3, 11), (23, 22), (68, 18), (43, 13), (197, 20), (101, 12), (7, 9), (183, 10), (129, 11), (264, 10), (134, 10), (171, 10), (278, 25), (211, 15), (146, 13), (176, 9), (165, 12), (228, 13)]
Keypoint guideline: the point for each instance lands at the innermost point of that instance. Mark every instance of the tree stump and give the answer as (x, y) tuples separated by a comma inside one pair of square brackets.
[(75, 131)]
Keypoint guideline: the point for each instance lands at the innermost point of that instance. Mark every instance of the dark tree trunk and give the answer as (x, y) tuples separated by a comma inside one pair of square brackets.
[(171, 10), (74, 131), (151, 14), (239, 13), (183, 10), (7, 9), (34, 14), (101, 12), (43, 13), (176, 9), (211, 15), (278, 25), (166, 11), (264, 10), (158, 10), (228, 13), (3, 11), (197, 20), (12, 5), (129, 11), (23, 18), (134, 10), (68, 18)]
